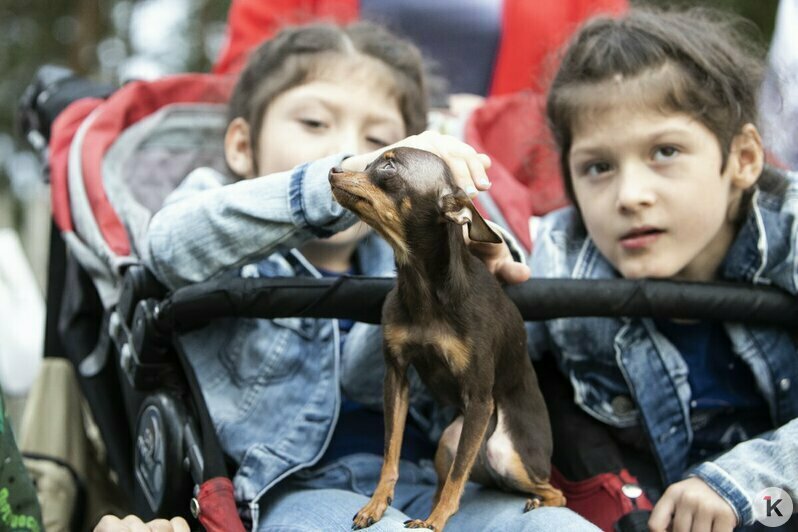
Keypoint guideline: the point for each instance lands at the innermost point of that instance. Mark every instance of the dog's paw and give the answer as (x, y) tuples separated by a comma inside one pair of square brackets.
[(418, 523), (533, 503), (370, 514)]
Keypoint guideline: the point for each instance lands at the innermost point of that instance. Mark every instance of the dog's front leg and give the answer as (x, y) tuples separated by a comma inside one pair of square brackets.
[(475, 423), (396, 400)]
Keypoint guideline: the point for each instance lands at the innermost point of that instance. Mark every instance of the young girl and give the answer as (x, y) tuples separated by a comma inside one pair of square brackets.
[(654, 116), (308, 101)]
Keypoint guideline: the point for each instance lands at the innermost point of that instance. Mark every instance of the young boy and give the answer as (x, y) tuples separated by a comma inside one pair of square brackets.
[(654, 117)]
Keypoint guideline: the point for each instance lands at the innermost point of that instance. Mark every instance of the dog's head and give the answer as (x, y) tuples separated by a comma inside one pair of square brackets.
[(404, 188)]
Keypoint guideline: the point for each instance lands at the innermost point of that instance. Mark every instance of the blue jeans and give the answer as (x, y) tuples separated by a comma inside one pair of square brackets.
[(328, 497)]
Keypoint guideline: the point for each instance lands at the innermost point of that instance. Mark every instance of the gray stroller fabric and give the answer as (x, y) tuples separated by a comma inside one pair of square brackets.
[(143, 165)]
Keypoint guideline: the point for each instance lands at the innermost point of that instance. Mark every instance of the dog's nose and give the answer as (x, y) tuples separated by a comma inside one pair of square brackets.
[(334, 170)]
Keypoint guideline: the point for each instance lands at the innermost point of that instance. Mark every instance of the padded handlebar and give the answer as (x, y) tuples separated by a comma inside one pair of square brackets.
[(361, 298)]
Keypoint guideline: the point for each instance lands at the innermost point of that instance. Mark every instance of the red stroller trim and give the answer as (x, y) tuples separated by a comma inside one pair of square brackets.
[(64, 128), (216, 508), (601, 499), (525, 171)]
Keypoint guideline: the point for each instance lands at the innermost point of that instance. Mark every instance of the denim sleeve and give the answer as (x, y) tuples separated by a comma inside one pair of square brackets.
[(206, 231), (770, 460)]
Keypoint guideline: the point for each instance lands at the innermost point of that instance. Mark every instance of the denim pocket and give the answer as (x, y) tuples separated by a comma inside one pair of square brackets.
[(259, 351)]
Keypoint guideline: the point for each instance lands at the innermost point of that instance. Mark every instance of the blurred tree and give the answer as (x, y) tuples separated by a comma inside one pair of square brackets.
[(29, 31), (762, 12), (108, 40)]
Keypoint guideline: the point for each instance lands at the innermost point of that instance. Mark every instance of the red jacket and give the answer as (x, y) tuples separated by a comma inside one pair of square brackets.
[(530, 31)]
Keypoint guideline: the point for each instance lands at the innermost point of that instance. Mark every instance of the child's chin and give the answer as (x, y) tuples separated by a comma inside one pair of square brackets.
[(354, 234), (645, 272)]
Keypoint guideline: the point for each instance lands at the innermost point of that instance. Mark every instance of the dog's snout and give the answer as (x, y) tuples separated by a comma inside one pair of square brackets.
[(333, 171)]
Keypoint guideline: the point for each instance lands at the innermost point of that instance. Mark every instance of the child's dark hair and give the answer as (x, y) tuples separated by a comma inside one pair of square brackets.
[(700, 62), (293, 56)]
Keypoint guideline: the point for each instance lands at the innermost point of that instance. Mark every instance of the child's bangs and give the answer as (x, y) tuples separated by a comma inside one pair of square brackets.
[(354, 67), (664, 89)]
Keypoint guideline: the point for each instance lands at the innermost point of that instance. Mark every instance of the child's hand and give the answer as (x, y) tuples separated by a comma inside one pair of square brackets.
[(468, 167), (499, 260), (691, 505), (131, 523)]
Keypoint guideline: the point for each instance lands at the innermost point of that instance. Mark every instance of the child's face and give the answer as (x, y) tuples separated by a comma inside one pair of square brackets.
[(322, 118), (651, 192)]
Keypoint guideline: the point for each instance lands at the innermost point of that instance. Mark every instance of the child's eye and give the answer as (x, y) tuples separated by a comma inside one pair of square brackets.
[(377, 142), (665, 153), (596, 169), (312, 123)]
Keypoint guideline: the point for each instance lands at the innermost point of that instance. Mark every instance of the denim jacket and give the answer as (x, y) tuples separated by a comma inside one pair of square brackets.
[(273, 387), (625, 373)]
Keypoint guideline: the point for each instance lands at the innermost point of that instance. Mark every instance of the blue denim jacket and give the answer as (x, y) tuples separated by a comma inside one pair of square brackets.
[(272, 387), (625, 373)]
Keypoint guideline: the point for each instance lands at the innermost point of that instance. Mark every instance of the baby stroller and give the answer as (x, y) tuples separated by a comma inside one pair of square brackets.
[(112, 160)]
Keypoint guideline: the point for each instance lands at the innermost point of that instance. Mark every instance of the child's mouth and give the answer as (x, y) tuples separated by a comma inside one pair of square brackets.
[(640, 237)]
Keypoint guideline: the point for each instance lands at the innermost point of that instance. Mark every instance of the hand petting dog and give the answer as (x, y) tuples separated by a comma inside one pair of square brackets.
[(468, 168)]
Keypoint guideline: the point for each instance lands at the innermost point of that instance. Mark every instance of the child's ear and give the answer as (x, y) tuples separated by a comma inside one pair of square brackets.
[(458, 208), (238, 149), (747, 157)]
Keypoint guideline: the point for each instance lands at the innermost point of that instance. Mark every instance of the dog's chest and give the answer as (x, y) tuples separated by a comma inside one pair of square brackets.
[(430, 344)]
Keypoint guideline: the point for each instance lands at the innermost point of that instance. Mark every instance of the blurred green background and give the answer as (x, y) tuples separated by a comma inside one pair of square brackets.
[(115, 40)]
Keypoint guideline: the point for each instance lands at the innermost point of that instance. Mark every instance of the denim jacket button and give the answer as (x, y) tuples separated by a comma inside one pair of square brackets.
[(784, 384), (621, 405)]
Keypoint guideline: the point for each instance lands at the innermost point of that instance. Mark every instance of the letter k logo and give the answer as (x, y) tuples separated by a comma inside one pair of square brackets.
[(773, 506)]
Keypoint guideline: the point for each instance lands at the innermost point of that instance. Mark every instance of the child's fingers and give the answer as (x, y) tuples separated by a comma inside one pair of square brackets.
[(466, 164), (462, 175), (513, 272), (661, 515), (702, 520), (160, 525), (131, 523), (683, 519), (724, 523), (478, 173), (179, 524)]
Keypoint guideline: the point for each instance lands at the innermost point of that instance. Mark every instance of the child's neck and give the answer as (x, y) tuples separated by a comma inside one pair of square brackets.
[(335, 259)]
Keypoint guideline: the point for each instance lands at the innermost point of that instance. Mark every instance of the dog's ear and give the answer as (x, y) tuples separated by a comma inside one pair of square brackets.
[(458, 208)]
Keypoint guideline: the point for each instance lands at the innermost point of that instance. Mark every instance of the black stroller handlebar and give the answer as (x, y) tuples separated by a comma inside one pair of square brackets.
[(361, 298)]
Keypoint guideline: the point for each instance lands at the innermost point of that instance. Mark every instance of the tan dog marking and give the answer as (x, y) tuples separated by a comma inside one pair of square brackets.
[(380, 211), (505, 460), (456, 352)]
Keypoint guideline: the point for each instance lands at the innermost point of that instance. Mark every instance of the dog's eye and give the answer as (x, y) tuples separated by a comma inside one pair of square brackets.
[(388, 166)]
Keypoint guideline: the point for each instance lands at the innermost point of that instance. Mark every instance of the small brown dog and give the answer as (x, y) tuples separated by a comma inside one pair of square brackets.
[(450, 318)]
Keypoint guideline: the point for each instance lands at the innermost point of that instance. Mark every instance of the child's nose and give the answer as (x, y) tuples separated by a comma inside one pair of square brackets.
[(634, 190), (348, 142)]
